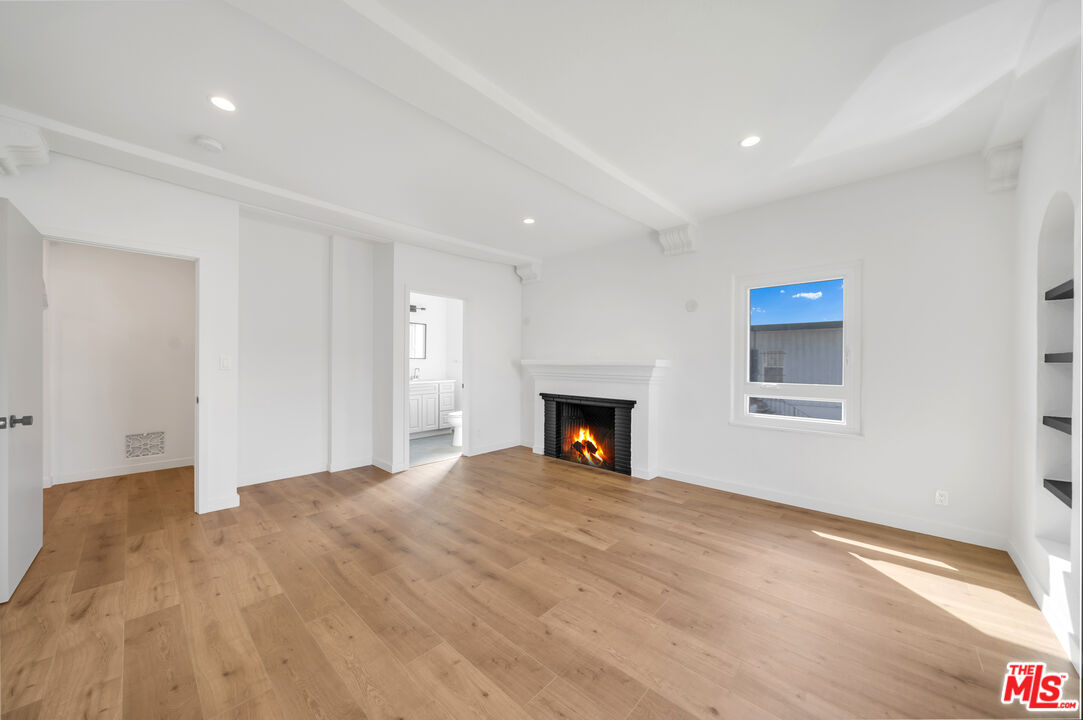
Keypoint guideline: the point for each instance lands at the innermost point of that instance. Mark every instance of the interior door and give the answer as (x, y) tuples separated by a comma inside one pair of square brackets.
[(21, 400)]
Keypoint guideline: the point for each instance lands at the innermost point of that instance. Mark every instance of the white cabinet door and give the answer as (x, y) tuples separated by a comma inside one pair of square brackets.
[(430, 415), (415, 413), (20, 397)]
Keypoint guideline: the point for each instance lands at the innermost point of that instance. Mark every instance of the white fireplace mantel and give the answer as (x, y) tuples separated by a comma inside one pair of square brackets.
[(643, 372), (639, 381)]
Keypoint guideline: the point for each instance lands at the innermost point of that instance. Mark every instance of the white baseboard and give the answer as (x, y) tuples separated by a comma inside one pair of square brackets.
[(384, 465), (430, 433), (351, 464), (880, 517), (1058, 621), (270, 475), (129, 469), (219, 502), (493, 447), (644, 473)]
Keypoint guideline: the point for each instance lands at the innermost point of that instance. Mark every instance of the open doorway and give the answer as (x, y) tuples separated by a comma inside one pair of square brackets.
[(435, 379), (119, 363)]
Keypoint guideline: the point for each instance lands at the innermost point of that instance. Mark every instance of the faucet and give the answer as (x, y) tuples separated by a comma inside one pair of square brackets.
[(416, 374)]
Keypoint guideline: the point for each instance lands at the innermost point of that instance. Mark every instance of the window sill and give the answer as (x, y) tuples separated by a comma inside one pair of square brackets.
[(798, 426)]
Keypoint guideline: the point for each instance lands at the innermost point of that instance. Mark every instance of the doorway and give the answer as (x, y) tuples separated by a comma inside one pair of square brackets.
[(119, 358), (436, 413)]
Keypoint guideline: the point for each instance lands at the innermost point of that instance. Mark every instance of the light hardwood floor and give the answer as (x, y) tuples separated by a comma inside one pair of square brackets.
[(503, 586)]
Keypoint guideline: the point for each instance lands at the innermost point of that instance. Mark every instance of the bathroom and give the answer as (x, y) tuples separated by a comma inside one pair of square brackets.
[(435, 394)]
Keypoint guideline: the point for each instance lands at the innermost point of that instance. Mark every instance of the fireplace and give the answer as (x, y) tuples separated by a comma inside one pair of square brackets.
[(591, 431)]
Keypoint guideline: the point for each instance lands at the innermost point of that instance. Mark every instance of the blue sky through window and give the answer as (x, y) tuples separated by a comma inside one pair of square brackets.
[(798, 303)]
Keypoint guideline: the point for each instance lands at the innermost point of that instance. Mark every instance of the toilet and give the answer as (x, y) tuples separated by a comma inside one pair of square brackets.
[(455, 420)]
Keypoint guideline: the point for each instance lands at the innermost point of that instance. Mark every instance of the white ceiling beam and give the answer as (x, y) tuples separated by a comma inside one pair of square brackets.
[(260, 197), (370, 41)]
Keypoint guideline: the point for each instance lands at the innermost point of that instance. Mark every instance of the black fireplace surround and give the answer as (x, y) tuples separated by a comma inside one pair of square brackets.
[(589, 431)]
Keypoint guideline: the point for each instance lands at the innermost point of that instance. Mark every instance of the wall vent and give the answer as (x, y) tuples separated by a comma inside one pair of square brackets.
[(144, 444)]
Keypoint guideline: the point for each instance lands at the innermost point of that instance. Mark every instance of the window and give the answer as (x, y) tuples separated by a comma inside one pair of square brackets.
[(797, 350)]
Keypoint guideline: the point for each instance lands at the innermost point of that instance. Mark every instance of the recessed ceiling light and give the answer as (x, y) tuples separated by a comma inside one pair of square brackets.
[(528, 221), (223, 103), (750, 141)]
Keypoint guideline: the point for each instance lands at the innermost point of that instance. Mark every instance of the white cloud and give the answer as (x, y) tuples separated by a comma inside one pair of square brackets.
[(809, 296), (756, 309), (783, 291)]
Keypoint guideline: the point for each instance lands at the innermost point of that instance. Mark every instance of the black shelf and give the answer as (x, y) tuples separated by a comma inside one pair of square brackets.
[(1064, 291), (1061, 489), (1058, 357), (1064, 424)]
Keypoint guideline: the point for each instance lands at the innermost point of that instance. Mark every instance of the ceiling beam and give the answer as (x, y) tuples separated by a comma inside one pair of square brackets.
[(259, 197), (372, 42)]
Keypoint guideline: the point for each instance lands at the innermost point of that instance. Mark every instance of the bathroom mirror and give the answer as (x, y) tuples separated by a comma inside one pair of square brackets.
[(417, 341)]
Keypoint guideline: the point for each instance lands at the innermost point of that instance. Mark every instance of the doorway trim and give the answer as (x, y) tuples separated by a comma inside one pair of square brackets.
[(467, 365), (205, 498)]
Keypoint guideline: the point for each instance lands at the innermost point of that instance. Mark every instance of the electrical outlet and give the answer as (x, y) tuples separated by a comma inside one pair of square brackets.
[(941, 497)]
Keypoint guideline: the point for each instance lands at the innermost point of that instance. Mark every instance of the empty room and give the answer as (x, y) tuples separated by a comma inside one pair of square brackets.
[(606, 360)]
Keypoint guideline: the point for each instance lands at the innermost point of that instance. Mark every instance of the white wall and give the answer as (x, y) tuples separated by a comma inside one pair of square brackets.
[(306, 352), (1051, 165), (434, 316), (443, 319), (491, 346), (939, 308), (120, 357), (284, 358), (351, 353), (86, 202)]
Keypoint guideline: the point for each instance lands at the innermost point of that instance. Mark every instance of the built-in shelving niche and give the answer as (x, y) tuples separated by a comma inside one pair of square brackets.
[(1055, 305)]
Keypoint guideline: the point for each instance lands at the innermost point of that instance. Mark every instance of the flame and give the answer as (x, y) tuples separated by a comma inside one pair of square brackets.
[(591, 457)]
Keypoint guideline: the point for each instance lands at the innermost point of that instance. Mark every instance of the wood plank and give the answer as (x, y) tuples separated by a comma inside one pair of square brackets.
[(228, 669), (85, 677), (149, 581), (159, 683), (102, 559), (461, 689), (304, 681), (311, 595), (406, 634), (30, 626), (378, 681), (513, 670), (655, 707), (504, 585), (263, 707)]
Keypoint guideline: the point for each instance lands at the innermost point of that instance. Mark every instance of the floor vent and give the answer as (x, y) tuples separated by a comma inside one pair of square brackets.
[(144, 444)]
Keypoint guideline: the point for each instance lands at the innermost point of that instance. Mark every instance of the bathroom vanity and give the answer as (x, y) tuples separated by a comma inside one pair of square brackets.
[(430, 403)]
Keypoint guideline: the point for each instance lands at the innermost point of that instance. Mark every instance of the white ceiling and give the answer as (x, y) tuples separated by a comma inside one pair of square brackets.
[(445, 123)]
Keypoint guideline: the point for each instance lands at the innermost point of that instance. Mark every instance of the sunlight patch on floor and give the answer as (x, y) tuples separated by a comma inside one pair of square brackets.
[(886, 551), (987, 610)]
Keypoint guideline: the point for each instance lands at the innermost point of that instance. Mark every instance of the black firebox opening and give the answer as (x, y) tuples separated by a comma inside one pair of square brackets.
[(590, 431)]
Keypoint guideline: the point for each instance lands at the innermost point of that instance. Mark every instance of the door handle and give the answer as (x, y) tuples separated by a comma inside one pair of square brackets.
[(24, 420), (3, 422)]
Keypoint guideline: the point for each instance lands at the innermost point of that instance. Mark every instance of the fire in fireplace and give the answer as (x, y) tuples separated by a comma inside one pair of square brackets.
[(589, 431)]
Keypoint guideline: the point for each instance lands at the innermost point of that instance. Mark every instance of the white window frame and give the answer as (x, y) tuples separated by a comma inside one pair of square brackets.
[(849, 393)]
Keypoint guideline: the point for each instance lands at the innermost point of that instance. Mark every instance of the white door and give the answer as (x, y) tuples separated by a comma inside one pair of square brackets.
[(21, 401)]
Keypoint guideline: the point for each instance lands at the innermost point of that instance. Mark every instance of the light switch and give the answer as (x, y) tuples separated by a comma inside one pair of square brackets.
[(225, 362)]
